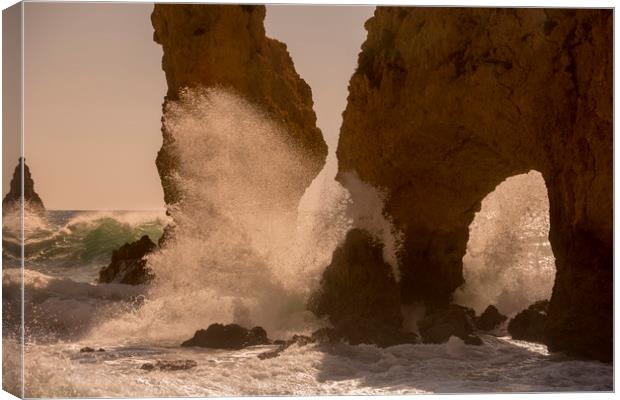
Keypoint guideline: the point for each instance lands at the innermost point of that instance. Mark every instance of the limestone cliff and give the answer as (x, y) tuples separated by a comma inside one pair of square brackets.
[(226, 46), (447, 103), (31, 199)]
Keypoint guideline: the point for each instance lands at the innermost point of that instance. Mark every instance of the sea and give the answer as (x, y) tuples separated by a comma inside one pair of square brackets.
[(66, 308), (246, 250)]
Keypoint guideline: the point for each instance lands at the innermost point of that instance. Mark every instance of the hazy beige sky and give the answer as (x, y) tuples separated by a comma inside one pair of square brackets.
[(94, 88)]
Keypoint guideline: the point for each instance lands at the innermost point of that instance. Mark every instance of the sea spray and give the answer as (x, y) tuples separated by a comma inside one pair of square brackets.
[(509, 261), (242, 251), (366, 212), (238, 254)]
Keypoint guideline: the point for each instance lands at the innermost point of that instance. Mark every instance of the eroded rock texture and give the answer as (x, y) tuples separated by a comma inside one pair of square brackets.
[(226, 46), (447, 103)]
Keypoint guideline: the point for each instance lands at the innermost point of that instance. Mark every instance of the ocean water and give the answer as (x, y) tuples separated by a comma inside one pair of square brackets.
[(242, 255)]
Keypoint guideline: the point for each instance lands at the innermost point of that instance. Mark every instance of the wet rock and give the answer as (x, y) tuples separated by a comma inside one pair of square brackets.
[(128, 264), (32, 201), (490, 319), (169, 365), (87, 350), (529, 324), (359, 294), (451, 320), (473, 340), (232, 336), (300, 340)]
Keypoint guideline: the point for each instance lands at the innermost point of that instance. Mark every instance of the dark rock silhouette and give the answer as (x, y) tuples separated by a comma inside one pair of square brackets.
[(169, 365), (359, 294), (232, 336), (529, 324), (447, 103), (490, 319), (439, 324), (128, 264), (32, 201)]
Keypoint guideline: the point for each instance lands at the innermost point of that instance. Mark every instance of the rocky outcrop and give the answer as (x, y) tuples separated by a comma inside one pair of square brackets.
[(439, 324), (226, 46), (128, 264), (490, 319), (32, 201), (169, 365), (359, 294), (529, 324), (232, 336), (447, 103)]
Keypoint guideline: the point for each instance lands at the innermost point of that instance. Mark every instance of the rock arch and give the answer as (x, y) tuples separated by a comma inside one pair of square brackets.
[(447, 103)]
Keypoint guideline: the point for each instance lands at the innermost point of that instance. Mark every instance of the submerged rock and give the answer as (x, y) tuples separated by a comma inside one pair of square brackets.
[(128, 264), (32, 201), (529, 324), (452, 320), (169, 365), (490, 319), (232, 336), (359, 294)]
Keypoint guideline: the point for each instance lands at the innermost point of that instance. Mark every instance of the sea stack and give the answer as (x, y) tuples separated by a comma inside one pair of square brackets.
[(226, 46), (32, 201)]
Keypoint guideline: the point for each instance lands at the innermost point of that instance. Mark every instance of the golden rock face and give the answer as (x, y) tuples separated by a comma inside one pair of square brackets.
[(226, 46), (447, 103)]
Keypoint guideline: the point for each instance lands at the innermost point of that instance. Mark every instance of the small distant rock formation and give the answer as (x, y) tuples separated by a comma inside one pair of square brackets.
[(490, 319), (207, 45), (446, 103), (359, 295), (231, 337), (169, 365), (32, 201), (128, 265), (529, 324), (439, 324)]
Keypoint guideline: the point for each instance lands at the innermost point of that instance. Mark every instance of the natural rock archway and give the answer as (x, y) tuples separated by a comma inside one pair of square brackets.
[(226, 46), (447, 103)]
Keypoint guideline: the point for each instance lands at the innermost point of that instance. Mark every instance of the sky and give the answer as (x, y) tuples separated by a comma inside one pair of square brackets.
[(94, 88)]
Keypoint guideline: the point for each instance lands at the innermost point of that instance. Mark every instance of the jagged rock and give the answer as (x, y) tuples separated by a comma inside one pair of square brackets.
[(447, 103), (529, 324), (300, 340), (226, 46), (490, 319), (32, 201), (452, 320), (170, 365), (232, 336), (128, 265), (359, 294)]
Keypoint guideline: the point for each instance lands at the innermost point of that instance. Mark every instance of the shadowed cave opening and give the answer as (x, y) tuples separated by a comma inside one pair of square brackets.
[(509, 261)]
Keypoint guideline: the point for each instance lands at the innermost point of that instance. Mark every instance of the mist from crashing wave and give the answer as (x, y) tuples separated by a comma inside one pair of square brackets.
[(509, 261)]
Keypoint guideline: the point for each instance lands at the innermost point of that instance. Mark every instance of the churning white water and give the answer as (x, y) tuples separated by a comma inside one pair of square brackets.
[(243, 253)]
